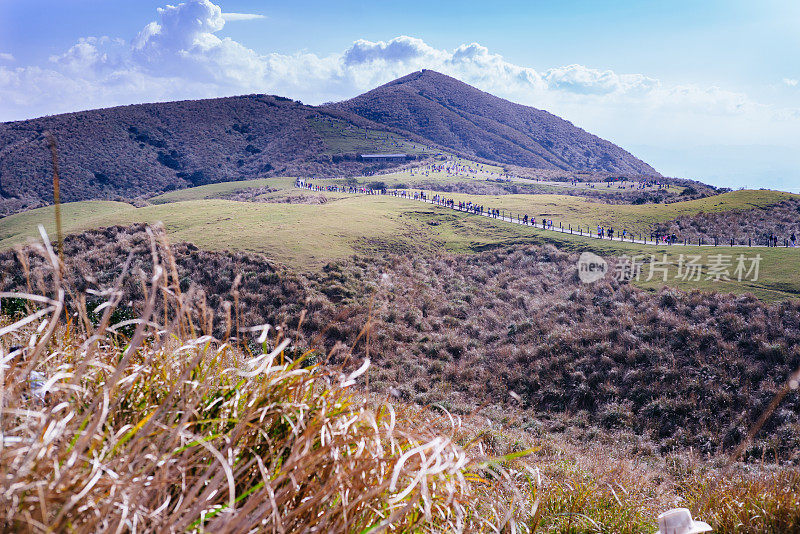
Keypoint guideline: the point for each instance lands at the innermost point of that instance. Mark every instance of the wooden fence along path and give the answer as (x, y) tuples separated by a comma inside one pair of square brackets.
[(521, 219)]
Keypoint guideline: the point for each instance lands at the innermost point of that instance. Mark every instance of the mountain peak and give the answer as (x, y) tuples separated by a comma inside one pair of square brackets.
[(454, 114)]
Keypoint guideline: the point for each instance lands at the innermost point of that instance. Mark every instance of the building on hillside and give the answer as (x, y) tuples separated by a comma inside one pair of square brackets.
[(384, 156)]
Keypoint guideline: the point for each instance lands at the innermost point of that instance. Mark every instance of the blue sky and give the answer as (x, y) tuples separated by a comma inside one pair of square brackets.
[(707, 90)]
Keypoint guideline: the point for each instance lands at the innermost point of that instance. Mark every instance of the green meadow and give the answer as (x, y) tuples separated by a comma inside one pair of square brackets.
[(307, 236)]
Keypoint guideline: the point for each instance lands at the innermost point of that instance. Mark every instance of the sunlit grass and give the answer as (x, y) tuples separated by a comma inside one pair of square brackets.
[(309, 236), (169, 428), (174, 429)]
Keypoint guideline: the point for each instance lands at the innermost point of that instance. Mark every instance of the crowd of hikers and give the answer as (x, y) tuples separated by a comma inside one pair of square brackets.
[(454, 168), (357, 190), (603, 232)]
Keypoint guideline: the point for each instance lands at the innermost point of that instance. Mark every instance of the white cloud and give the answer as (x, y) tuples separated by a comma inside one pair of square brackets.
[(791, 82), (585, 80), (232, 17), (179, 29), (179, 55), (5, 56), (401, 49), (92, 55)]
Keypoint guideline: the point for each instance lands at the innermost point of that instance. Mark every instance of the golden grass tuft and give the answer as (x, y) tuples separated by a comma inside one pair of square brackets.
[(173, 430)]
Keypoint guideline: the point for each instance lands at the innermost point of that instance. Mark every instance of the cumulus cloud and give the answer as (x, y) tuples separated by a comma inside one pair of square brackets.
[(183, 40), (401, 49), (180, 55), (5, 56), (92, 55), (181, 26), (791, 82), (585, 80)]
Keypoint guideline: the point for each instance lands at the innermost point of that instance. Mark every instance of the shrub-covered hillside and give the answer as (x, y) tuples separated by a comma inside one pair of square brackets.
[(144, 149), (453, 114), (466, 331), (683, 369)]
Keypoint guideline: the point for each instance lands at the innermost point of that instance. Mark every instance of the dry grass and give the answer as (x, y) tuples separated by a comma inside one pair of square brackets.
[(172, 429), (464, 330)]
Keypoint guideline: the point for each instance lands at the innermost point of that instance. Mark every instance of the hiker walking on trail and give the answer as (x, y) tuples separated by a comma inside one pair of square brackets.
[(611, 234), (794, 240)]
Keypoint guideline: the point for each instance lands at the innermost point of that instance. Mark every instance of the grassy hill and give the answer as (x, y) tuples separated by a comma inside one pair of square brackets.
[(453, 114), (748, 224), (140, 150), (308, 236), (639, 219)]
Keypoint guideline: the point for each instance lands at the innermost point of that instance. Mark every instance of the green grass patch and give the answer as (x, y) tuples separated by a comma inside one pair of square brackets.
[(220, 189), (578, 212), (342, 137), (76, 216), (307, 237)]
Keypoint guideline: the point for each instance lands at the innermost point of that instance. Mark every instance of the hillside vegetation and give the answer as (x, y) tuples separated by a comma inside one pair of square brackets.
[(453, 114), (141, 150), (467, 331), (166, 420)]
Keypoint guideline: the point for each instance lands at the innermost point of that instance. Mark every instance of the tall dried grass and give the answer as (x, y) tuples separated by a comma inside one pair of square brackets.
[(168, 428), (174, 430)]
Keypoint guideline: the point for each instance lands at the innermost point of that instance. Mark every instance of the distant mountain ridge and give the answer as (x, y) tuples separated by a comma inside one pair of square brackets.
[(139, 150), (451, 113)]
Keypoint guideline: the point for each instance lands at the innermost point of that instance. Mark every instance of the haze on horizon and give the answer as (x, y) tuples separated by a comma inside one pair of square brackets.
[(707, 92)]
